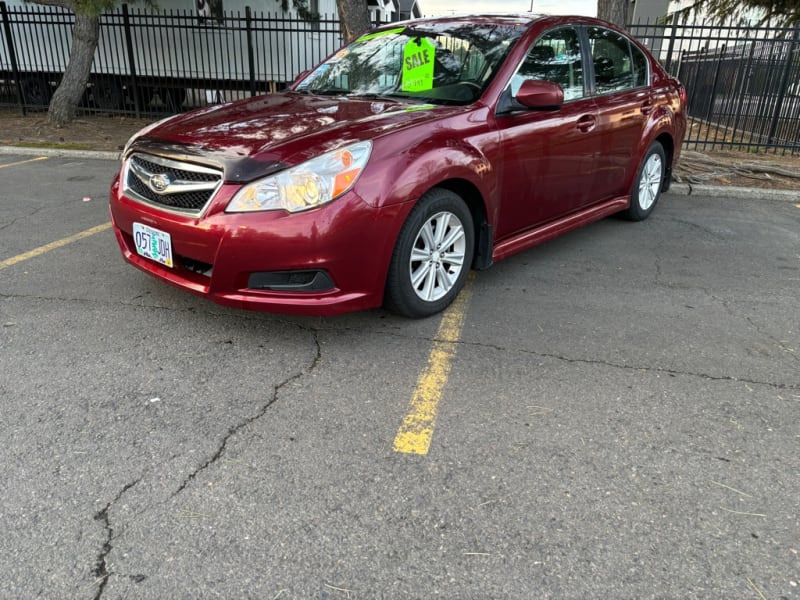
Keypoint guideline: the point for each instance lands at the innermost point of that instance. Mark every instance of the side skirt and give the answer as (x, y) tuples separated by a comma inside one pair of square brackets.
[(532, 237)]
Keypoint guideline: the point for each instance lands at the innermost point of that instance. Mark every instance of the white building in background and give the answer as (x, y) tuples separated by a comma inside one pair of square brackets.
[(380, 11), (195, 46), (642, 11)]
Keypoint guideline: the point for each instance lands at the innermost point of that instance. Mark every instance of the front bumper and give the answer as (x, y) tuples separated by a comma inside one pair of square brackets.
[(219, 256)]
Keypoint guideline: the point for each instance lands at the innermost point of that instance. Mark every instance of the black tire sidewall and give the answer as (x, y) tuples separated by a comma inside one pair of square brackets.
[(400, 296), (108, 94), (635, 212)]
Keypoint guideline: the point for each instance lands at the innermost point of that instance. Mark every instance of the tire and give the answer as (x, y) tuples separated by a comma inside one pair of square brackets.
[(145, 95), (36, 91), (432, 256), (172, 99), (107, 94), (648, 184)]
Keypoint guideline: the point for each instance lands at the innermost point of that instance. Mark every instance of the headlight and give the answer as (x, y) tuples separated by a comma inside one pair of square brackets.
[(311, 184)]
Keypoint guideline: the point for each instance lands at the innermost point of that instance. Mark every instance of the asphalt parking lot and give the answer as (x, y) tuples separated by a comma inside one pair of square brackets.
[(617, 418)]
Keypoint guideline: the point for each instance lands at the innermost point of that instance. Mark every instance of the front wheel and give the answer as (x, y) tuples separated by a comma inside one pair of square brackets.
[(648, 184), (432, 257)]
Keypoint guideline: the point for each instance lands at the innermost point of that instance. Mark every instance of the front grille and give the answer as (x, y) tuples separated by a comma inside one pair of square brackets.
[(189, 201), (174, 185)]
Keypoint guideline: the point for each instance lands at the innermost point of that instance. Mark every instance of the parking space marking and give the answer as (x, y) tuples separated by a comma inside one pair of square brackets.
[(416, 432), (23, 162), (52, 246)]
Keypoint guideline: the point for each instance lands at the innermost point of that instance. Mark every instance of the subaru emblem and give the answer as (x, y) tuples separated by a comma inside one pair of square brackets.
[(159, 183)]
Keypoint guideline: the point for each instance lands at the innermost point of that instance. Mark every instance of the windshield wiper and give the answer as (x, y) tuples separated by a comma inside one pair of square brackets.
[(390, 97), (374, 96), (330, 92)]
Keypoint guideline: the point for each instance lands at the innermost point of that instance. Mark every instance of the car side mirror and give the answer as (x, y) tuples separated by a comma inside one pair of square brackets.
[(542, 95)]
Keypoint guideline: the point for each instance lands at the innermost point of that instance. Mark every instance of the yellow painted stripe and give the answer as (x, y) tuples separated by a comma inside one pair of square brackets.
[(52, 246), (416, 432), (23, 162)]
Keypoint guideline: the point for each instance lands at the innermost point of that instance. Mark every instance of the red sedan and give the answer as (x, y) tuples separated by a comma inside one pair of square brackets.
[(418, 152)]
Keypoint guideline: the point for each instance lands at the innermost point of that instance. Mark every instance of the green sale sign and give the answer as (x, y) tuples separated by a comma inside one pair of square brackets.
[(418, 55)]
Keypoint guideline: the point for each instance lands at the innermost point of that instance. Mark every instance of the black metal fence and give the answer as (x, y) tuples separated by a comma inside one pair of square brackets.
[(149, 61), (743, 83)]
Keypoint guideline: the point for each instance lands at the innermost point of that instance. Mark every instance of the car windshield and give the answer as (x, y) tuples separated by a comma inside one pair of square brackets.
[(440, 63)]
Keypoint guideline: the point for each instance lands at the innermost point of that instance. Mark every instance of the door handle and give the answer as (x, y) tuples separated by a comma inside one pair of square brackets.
[(586, 123), (647, 107)]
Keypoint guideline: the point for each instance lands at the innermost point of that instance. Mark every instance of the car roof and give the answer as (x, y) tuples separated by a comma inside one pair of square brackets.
[(525, 20), (484, 18)]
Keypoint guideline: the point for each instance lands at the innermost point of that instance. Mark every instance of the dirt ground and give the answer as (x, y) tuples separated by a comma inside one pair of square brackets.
[(110, 132), (87, 132)]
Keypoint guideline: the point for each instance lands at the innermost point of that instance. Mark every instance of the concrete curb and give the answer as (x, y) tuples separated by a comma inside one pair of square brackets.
[(678, 189), (737, 193), (57, 152)]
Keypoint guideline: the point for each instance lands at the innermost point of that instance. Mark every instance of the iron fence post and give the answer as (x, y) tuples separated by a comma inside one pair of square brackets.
[(713, 95), (692, 87), (787, 70), (671, 46), (251, 59), (126, 25), (745, 74), (13, 55)]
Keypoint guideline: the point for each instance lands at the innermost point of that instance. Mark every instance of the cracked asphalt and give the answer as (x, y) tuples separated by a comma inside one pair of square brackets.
[(620, 420)]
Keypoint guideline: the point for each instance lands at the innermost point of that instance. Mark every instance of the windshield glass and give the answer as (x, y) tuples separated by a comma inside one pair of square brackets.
[(441, 63)]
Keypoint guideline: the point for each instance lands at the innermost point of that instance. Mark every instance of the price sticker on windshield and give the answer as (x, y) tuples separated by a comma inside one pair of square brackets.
[(418, 56)]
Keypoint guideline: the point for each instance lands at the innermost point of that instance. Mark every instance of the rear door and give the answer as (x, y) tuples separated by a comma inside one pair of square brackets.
[(623, 95)]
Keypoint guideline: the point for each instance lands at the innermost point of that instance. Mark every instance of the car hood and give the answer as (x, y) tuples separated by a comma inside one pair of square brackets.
[(255, 137)]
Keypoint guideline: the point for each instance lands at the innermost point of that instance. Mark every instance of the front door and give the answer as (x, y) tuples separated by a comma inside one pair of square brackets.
[(549, 156)]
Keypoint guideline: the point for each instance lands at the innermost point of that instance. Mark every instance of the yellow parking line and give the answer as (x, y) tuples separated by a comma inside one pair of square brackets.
[(414, 436), (52, 246), (22, 162)]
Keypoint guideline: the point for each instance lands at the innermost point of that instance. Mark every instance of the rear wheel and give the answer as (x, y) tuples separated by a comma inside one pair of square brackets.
[(36, 91), (649, 181), (432, 257)]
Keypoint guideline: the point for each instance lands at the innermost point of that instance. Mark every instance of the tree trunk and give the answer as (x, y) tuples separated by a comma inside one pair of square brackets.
[(354, 17), (64, 104), (614, 11)]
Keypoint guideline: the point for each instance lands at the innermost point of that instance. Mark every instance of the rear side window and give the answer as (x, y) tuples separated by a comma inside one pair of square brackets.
[(618, 64), (556, 57)]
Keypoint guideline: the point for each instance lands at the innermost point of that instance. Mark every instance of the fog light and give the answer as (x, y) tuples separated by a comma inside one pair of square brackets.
[(291, 281)]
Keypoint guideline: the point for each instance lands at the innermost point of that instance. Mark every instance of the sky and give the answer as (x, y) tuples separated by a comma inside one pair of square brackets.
[(431, 8)]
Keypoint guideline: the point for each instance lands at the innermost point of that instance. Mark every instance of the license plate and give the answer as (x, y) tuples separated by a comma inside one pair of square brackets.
[(153, 243)]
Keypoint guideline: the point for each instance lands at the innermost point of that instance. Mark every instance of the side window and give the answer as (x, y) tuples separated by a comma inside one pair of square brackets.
[(556, 57), (618, 64), (641, 76)]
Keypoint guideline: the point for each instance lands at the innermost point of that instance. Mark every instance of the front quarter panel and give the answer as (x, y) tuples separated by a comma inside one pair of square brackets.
[(403, 167)]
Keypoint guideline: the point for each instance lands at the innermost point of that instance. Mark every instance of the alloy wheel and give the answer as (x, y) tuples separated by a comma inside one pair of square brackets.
[(650, 181), (437, 257)]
